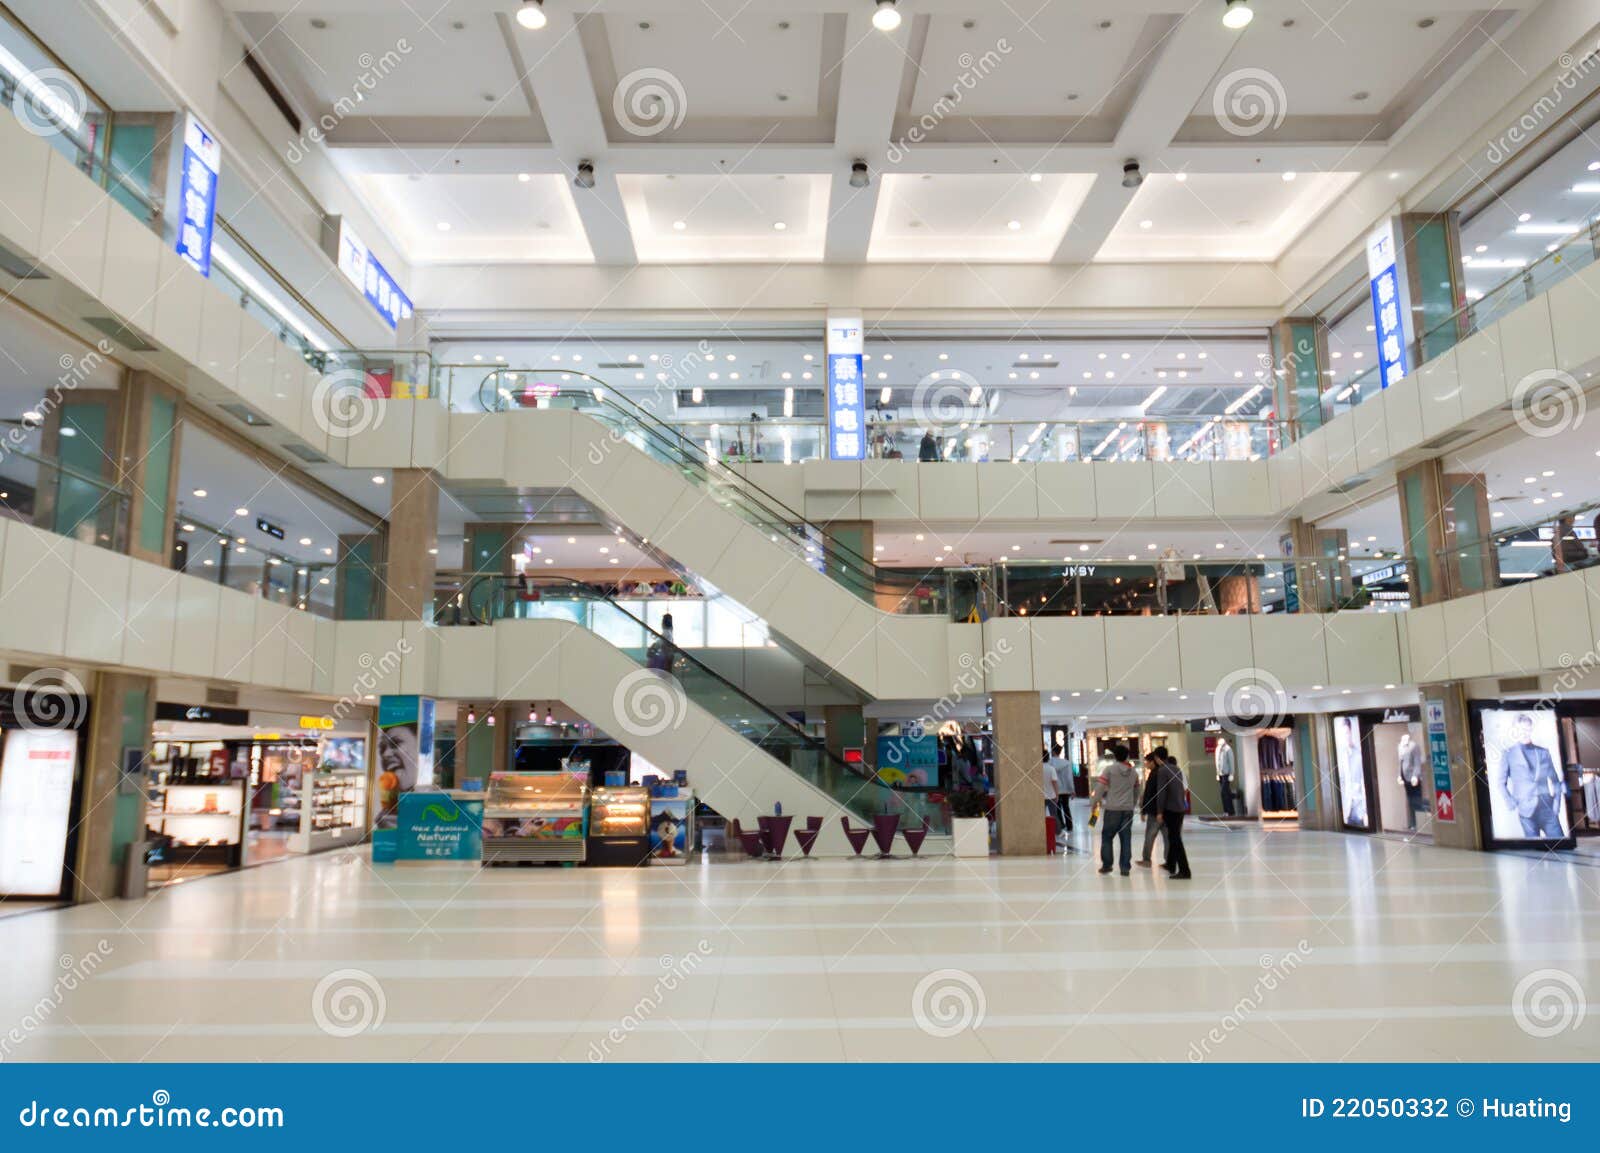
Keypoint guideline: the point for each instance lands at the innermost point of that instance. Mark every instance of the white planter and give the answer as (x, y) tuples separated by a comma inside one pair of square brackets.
[(970, 836)]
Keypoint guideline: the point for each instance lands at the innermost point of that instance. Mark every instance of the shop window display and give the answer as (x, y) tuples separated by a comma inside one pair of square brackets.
[(1524, 784)]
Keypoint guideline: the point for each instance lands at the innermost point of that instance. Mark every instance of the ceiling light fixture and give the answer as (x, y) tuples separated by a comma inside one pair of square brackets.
[(860, 177), (1132, 177), (886, 18), (1237, 14), (531, 15), (585, 176)]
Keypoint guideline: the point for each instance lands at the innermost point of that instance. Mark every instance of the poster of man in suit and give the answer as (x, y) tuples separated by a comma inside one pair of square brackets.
[(1527, 791)]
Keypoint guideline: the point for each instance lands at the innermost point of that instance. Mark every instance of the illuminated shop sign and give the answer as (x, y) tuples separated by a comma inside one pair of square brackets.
[(847, 417), (1391, 312)]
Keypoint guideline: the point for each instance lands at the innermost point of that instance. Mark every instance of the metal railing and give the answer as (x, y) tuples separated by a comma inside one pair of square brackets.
[(219, 555), (1564, 541), (483, 598)]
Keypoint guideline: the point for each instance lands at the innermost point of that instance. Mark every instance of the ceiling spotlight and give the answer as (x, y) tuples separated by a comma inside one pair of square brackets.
[(859, 176), (585, 176), (1132, 177), (531, 15), (887, 16), (1238, 14)]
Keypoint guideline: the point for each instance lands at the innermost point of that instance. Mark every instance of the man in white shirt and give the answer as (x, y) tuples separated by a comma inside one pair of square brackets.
[(1062, 797)]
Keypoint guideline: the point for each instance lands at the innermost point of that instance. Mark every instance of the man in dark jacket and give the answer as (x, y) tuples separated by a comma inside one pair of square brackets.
[(1172, 803), (929, 450), (1151, 814)]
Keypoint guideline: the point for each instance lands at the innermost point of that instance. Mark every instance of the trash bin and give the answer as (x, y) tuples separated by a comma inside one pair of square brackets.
[(135, 871)]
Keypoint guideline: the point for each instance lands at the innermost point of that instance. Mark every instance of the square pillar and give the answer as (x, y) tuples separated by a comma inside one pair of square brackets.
[(412, 544), (151, 436), (121, 714), (1463, 830), (1019, 781)]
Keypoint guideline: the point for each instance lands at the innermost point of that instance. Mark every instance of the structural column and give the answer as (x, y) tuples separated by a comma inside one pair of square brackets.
[(122, 711), (151, 435), (1299, 350), (412, 545), (1430, 260), (1421, 489), (1018, 728), (1460, 829), (1445, 519)]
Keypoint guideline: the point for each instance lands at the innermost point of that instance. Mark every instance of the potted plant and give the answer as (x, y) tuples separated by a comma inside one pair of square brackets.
[(969, 822)]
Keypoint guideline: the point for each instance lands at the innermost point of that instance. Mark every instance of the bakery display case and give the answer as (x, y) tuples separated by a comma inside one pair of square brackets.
[(619, 826), (535, 817)]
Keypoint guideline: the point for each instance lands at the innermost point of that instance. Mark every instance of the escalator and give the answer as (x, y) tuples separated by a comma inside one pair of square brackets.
[(884, 631), (614, 642)]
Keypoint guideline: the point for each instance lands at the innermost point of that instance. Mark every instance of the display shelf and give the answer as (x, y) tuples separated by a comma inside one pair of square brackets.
[(534, 817), (619, 826)]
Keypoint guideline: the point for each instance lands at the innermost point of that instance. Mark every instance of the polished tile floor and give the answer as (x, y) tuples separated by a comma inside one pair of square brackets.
[(1285, 946)]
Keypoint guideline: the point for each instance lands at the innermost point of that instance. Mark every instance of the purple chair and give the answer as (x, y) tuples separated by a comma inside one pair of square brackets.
[(856, 837), (774, 833), (806, 838), (884, 827), (915, 837), (751, 841)]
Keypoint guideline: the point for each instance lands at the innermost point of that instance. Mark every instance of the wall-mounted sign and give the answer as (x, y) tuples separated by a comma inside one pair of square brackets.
[(846, 344), (1391, 307), (1398, 716), (321, 724), (438, 827), (362, 269), (269, 528), (1444, 804), (1382, 575), (197, 194), (206, 714)]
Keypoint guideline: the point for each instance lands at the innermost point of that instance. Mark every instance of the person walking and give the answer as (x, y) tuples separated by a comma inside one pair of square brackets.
[(1117, 794), (1050, 807), (1172, 804), (1064, 793), (1150, 811), (928, 451)]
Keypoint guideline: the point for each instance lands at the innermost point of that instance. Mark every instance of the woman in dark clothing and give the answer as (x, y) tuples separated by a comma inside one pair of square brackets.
[(1172, 804)]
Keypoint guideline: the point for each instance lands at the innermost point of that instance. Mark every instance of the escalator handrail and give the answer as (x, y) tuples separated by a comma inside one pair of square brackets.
[(766, 504), (472, 581)]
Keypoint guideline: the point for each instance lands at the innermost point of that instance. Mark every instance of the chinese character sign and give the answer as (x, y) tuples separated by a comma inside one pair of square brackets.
[(847, 414), (1390, 314), (362, 269), (197, 195), (1444, 806)]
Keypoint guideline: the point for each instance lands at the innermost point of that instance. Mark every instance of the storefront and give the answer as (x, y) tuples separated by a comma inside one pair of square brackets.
[(1538, 775), (1380, 758), (41, 773), (1256, 766), (229, 787)]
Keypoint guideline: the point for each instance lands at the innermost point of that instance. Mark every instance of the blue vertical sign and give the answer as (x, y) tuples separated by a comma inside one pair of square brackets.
[(363, 270), (197, 194), (1391, 312), (847, 406), (1444, 804)]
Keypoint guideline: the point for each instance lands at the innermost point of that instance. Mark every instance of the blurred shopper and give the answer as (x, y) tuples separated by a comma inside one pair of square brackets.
[(1149, 809), (1064, 794), (1173, 803), (928, 452), (1117, 794)]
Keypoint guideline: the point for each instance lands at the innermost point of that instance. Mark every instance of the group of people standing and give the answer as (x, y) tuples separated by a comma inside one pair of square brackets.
[(1161, 796)]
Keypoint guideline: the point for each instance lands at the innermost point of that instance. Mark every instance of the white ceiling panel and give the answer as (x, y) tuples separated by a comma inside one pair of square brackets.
[(1012, 217), (479, 219), (700, 218), (1222, 217)]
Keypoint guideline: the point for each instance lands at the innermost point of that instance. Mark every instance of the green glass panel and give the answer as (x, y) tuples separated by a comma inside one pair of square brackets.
[(1416, 525), (358, 581), (1430, 254), (154, 514), (1472, 547), (83, 450), (132, 149)]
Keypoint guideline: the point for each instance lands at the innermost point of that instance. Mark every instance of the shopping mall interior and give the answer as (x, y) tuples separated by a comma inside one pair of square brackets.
[(799, 530)]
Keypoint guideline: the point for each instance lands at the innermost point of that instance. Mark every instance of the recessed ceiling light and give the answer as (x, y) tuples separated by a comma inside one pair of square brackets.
[(443, 226), (779, 226), (523, 177), (1014, 225), (200, 492), (1288, 176), (1524, 218), (678, 226), (377, 480), (1147, 224), (1035, 177), (886, 18), (241, 512)]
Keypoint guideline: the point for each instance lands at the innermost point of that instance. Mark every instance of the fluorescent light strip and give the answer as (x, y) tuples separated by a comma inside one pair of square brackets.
[(271, 303), (1244, 400)]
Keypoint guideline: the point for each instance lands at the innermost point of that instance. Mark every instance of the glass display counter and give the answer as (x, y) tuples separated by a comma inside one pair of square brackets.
[(619, 826), (531, 817)]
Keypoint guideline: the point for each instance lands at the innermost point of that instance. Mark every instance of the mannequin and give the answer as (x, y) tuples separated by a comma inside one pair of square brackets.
[(1224, 756), (1411, 777)]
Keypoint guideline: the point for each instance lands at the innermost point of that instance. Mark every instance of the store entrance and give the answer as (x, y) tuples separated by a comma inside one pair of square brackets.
[(1384, 783), (227, 788)]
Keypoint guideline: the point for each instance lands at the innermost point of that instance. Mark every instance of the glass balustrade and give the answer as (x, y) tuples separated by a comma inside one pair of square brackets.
[(61, 499), (485, 598)]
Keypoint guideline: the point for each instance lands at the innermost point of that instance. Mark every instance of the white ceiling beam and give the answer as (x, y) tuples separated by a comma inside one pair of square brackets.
[(869, 87), (660, 8), (552, 64), (1186, 59)]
